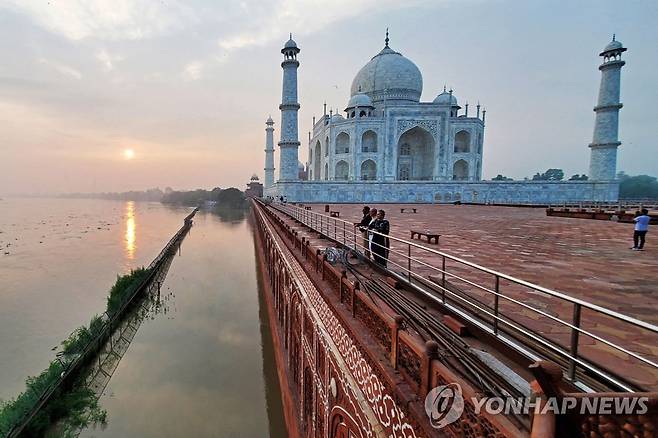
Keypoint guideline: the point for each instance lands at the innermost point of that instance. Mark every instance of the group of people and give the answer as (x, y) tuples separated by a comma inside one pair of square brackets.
[(375, 231)]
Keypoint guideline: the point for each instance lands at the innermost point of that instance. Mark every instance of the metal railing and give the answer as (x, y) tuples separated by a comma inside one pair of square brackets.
[(425, 269)]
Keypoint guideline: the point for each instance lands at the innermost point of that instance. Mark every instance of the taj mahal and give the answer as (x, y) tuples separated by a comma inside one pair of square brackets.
[(391, 147)]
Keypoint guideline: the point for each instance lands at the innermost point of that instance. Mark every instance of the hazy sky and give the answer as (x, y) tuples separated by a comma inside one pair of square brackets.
[(188, 85)]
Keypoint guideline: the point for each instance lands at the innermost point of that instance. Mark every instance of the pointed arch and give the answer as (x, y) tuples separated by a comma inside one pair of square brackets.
[(369, 141), (343, 143), (460, 170), (342, 172), (415, 152), (462, 142), (368, 170), (318, 160)]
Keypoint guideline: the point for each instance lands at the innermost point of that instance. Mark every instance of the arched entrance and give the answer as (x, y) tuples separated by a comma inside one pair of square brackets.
[(460, 171), (368, 170), (369, 142), (342, 172), (415, 155), (318, 158), (462, 142)]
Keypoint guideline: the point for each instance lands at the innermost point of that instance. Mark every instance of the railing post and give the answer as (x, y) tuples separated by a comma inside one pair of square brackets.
[(344, 234), (431, 352), (495, 321), (443, 280), (395, 329), (409, 262), (574, 341)]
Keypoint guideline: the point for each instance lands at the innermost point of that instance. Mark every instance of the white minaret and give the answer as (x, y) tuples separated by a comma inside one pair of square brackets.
[(603, 157), (269, 153), (289, 144)]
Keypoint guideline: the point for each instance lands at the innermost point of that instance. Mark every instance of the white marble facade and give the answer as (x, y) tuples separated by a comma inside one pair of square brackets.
[(387, 134), (391, 147)]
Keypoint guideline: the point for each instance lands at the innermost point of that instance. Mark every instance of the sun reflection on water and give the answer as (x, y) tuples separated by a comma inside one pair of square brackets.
[(130, 236)]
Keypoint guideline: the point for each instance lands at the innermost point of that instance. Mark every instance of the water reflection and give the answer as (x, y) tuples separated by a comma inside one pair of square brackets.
[(95, 378), (230, 215), (130, 236)]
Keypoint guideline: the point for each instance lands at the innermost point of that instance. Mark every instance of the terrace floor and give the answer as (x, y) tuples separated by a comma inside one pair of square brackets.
[(583, 258)]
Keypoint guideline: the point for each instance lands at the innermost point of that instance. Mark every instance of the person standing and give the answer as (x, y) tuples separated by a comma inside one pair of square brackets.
[(380, 241), (363, 227), (373, 218), (641, 227)]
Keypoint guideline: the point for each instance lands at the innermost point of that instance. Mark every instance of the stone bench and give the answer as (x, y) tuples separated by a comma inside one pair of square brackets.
[(430, 235), (407, 208)]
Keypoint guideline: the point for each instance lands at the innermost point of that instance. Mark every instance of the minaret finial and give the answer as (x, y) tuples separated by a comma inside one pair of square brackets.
[(386, 40), (290, 35), (444, 88), (613, 37)]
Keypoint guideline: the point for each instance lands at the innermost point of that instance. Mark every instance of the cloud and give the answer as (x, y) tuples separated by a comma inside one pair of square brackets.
[(62, 69), (107, 60), (299, 16), (105, 19), (192, 71)]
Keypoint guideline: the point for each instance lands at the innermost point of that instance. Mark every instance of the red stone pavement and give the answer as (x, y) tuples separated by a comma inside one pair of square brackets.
[(586, 259)]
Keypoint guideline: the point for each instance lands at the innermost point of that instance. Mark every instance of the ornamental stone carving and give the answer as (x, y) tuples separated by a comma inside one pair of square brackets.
[(429, 125)]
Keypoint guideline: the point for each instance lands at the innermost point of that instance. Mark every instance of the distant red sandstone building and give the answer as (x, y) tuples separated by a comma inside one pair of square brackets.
[(254, 188)]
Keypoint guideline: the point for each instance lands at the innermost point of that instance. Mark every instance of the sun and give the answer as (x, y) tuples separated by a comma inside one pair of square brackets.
[(128, 154)]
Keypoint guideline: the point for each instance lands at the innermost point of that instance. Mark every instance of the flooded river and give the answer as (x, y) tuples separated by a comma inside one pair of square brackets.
[(200, 366)]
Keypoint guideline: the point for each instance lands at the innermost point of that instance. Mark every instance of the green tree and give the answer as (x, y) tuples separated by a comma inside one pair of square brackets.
[(638, 187), (549, 175), (500, 177), (231, 196), (577, 177)]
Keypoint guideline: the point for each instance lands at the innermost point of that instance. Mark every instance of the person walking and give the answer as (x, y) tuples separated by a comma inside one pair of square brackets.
[(363, 227), (380, 241), (641, 227)]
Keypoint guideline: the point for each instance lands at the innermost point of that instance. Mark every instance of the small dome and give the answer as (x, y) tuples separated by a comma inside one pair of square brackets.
[(613, 46), (446, 98), (337, 118), (269, 120), (254, 177), (359, 100), (290, 44)]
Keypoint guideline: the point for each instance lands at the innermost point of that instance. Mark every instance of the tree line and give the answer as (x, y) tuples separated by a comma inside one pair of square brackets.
[(630, 187)]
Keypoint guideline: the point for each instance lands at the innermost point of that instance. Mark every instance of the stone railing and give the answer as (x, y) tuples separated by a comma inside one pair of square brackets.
[(412, 368)]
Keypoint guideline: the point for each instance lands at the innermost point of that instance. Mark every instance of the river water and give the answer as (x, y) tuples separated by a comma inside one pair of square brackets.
[(202, 367)]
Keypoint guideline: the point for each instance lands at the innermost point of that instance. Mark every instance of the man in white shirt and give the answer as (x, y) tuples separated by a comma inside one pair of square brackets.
[(641, 228)]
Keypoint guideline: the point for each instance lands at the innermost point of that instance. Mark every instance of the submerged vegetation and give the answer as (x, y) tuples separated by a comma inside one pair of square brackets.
[(79, 405)]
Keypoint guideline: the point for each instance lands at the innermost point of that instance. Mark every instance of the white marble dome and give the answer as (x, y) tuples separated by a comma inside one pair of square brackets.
[(359, 100), (613, 45), (389, 75), (446, 98)]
